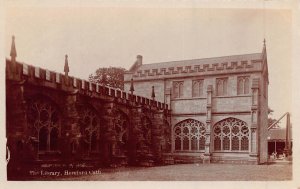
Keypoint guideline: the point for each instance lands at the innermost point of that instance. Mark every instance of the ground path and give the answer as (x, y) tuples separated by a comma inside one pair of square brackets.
[(193, 172)]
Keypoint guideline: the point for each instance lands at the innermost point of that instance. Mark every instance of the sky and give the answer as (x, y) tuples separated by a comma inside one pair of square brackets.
[(96, 37)]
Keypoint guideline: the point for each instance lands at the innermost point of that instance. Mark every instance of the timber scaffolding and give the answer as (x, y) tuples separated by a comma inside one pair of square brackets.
[(23, 72), (287, 148)]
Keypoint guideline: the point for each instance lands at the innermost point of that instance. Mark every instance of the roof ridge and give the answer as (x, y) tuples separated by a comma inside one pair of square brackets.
[(203, 58)]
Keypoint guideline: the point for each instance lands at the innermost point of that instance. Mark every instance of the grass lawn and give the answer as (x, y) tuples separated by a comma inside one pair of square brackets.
[(193, 172)]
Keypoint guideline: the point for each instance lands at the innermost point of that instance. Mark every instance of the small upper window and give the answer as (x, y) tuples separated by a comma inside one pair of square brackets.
[(178, 89), (197, 88), (243, 85), (221, 86)]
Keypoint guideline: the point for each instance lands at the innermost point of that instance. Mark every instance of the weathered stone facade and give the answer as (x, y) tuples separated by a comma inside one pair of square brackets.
[(219, 106), (54, 118), (203, 110)]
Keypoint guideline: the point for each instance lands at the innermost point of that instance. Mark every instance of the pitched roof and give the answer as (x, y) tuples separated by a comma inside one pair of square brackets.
[(194, 62), (278, 134)]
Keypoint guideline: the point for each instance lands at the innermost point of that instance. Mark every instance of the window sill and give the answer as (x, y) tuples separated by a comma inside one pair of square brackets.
[(231, 151), (242, 95), (233, 96), (188, 151), (191, 98), (198, 97)]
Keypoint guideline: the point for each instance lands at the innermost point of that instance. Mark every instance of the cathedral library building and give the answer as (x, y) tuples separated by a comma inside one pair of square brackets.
[(218, 106), (201, 110)]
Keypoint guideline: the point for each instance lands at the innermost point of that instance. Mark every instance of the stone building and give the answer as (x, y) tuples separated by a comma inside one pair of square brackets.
[(202, 110), (219, 106), (55, 120)]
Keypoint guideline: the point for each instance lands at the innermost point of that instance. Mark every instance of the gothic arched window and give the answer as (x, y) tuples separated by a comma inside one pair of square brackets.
[(146, 130), (44, 123), (121, 127), (243, 86), (89, 123), (221, 86), (189, 135), (54, 139), (178, 89), (231, 134), (240, 88), (197, 90), (246, 85)]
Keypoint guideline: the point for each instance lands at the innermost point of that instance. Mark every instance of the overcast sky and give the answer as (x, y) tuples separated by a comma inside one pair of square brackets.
[(103, 37)]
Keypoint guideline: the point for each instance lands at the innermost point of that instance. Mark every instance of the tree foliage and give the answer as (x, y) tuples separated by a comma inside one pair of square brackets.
[(111, 77), (270, 111), (271, 121)]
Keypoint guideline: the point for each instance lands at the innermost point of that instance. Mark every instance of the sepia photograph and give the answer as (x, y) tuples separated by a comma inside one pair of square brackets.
[(138, 91)]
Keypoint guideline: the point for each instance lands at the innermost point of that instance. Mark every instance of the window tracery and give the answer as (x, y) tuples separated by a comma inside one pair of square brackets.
[(178, 89), (197, 90), (121, 128), (44, 124), (146, 130), (243, 86), (231, 134), (89, 123), (189, 135), (221, 86)]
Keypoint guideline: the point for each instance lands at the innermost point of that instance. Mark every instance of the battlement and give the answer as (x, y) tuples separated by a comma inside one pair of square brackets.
[(219, 65), (47, 78)]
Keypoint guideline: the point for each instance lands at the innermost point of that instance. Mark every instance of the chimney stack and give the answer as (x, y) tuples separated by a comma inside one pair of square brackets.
[(139, 59)]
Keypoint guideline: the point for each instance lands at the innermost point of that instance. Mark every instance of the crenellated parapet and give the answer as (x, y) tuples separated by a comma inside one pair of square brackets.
[(50, 79), (211, 66), (87, 122)]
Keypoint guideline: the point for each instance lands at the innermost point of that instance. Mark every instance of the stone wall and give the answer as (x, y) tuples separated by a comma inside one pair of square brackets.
[(250, 107), (57, 119)]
